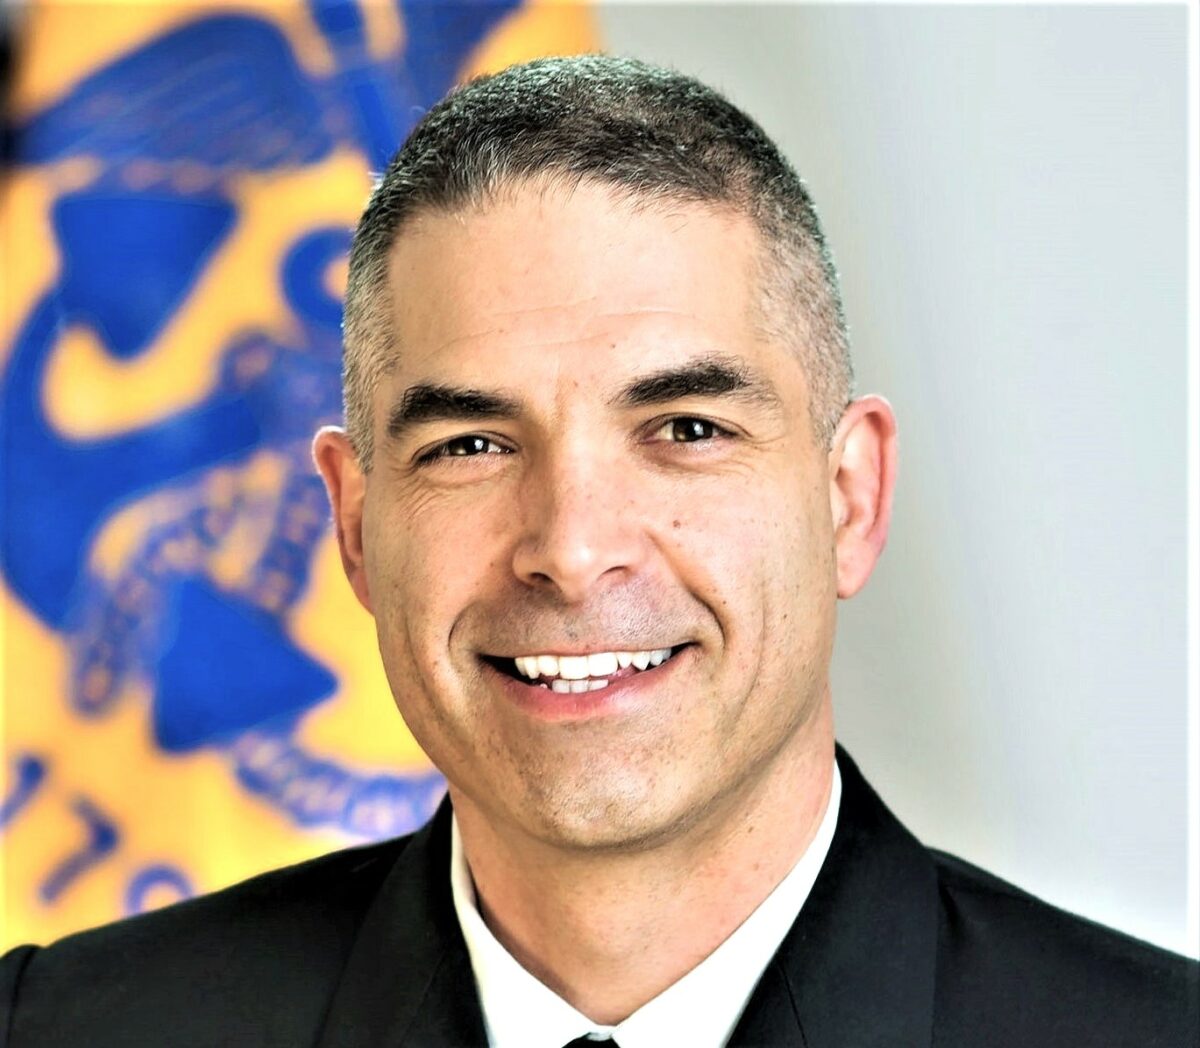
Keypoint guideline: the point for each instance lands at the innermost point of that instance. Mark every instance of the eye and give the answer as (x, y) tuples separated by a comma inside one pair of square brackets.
[(686, 430), (462, 447)]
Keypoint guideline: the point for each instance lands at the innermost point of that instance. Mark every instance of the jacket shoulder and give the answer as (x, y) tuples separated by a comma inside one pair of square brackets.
[(262, 956), (1013, 969)]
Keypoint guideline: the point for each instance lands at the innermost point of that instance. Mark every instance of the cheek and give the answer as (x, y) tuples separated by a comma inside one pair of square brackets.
[(768, 554), (807, 567), (425, 558), (721, 540), (806, 609)]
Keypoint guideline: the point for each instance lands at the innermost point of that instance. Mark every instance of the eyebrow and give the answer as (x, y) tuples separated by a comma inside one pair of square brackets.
[(438, 403), (710, 376)]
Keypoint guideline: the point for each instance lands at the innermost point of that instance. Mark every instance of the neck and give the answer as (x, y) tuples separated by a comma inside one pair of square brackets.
[(610, 931)]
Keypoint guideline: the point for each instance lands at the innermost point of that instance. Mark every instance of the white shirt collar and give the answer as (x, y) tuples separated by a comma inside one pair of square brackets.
[(701, 1009)]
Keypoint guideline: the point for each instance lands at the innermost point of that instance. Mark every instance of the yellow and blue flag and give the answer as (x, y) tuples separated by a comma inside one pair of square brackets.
[(190, 692)]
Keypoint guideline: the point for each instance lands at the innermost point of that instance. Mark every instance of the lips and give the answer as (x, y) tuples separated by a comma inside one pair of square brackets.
[(576, 674), (630, 692)]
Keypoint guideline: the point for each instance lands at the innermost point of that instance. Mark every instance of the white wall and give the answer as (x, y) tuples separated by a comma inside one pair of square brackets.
[(1004, 191)]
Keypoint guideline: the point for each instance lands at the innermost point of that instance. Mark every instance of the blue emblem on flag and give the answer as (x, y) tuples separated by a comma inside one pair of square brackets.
[(196, 608)]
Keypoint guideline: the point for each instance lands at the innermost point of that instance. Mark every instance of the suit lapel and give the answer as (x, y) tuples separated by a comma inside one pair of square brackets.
[(858, 965), (408, 980)]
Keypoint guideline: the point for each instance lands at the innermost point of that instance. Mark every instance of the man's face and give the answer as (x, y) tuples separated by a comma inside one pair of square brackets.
[(587, 447)]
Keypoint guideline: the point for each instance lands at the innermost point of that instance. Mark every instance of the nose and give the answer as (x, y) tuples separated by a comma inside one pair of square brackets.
[(580, 529)]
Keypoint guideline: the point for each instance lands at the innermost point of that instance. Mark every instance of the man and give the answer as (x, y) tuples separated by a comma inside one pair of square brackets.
[(601, 486)]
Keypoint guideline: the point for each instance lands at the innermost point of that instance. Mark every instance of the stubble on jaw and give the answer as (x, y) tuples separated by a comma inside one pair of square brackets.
[(596, 789)]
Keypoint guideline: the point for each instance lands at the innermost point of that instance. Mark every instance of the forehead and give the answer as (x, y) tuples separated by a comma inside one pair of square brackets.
[(582, 277)]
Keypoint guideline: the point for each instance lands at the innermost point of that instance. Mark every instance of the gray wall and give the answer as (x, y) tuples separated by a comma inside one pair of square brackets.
[(1004, 190)]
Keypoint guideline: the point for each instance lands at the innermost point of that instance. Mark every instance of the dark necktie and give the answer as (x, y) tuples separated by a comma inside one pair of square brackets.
[(587, 1042)]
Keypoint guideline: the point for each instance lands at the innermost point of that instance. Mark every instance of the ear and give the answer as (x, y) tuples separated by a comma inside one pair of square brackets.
[(346, 484), (862, 477)]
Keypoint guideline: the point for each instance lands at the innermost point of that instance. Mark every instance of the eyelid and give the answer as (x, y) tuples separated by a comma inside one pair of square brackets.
[(723, 430), (436, 452)]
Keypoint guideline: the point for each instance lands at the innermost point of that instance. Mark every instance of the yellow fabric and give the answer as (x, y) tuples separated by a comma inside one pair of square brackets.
[(100, 818)]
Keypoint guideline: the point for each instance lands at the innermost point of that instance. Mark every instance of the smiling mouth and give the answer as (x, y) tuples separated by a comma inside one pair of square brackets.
[(576, 674)]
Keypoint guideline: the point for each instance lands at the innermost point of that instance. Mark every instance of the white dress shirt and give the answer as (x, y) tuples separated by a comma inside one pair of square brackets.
[(700, 1010)]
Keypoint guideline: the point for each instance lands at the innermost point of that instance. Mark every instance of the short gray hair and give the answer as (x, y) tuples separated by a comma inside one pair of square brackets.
[(649, 132)]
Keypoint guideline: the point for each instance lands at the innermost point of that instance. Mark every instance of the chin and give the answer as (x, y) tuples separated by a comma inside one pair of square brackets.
[(628, 820)]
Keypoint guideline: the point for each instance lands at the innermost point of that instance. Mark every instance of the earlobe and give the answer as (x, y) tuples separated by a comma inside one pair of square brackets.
[(346, 484), (861, 483)]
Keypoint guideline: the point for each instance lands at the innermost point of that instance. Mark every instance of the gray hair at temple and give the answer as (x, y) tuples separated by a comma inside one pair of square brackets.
[(654, 135)]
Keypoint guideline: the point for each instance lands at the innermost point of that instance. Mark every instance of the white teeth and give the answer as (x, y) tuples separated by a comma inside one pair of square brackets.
[(576, 687), (598, 666), (602, 665), (573, 667)]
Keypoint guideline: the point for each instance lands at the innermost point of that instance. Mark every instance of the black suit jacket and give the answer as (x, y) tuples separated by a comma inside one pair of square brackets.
[(896, 946)]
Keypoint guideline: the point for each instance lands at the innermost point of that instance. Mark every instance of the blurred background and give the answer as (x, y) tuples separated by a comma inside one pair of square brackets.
[(191, 694)]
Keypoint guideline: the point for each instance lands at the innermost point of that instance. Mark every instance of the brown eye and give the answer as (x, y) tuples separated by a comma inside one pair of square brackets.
[(688, 430), (468, 446)]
